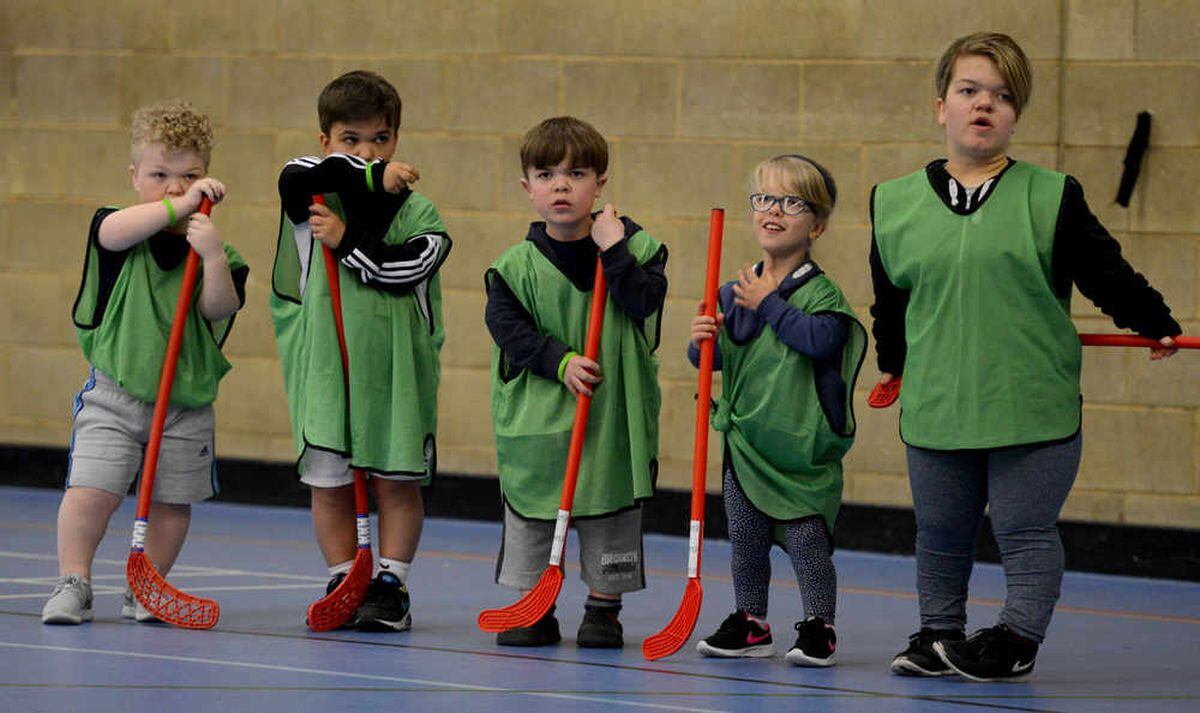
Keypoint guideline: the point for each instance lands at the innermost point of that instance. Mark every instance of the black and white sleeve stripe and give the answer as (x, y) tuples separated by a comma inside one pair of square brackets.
[(397, 266)]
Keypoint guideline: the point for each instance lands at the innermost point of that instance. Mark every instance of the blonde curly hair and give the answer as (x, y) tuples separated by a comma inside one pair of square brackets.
[(175, 125)]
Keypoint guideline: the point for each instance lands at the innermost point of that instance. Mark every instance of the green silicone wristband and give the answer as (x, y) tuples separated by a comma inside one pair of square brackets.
[(562, 365), (170, 212)]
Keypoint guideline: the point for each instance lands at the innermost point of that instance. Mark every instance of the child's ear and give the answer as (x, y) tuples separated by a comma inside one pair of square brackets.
[(818, 229), (600, 181), (324, 139), (133, 175), (525, 185)]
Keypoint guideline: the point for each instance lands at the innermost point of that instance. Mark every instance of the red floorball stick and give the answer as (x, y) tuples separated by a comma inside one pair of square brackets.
[(155, 593), (883, 395), (679, 629), (537, 602), (336, 608)]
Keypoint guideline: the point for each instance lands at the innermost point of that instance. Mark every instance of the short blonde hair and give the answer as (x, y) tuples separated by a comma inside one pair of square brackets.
[(1005, 53), (800, 176), (175, 125)]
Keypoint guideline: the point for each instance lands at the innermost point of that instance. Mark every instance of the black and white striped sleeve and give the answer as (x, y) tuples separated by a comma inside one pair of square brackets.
[(393, 267)]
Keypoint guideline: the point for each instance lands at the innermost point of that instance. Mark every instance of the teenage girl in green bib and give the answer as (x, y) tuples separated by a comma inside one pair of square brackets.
[(973, 259)]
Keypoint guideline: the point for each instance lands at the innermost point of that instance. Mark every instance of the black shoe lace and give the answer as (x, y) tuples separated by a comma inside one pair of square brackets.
[(810, 635), (732, 625)]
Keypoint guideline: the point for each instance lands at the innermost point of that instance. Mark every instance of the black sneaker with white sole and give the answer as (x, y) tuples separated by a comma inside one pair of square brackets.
[(995, 654), (386, 606), (919, 659), (816, 644)]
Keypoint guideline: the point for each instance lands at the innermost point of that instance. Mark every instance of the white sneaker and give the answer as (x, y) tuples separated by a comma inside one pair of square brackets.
[(133, 609), (70, 602)]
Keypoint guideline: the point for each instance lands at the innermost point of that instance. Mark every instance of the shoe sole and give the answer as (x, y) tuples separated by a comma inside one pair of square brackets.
[(597, 644), (941, 652), (750, 652), (904, 667), (529, 644), (142, 617), (68, 619), (796, 657), (384, 625)]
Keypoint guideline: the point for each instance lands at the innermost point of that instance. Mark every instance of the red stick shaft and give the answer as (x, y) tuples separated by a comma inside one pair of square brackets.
[(716, 228), (1129, 340), (163, 400), (335, 296), (583, 402)]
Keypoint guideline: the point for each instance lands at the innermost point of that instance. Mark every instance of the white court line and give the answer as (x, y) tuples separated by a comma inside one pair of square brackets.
[(346, 674), (180, 570), (121, 590)]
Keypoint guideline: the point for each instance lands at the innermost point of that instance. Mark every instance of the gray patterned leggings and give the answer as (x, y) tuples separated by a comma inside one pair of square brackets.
[(806, 542)]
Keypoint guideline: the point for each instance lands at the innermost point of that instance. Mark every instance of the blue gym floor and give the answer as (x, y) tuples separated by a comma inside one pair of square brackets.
[(1116, 644)]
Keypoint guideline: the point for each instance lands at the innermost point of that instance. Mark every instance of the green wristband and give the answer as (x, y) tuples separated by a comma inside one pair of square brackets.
[(562, 365), (370, 178), (170, 212)]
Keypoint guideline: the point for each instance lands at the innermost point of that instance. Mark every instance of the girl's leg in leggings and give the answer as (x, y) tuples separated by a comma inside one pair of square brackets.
[(949, 490), (1028, 485), (810, 549), (750, 538)]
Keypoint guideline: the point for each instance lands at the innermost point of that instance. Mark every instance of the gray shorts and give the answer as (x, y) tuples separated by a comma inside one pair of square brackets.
[(324, 469), (610, 551), (108, 443)]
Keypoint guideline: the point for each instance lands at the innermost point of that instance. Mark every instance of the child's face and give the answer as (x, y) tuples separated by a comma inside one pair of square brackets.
[(779, 234), (563, 195), (161, 173), (978, 112), (368, 139)]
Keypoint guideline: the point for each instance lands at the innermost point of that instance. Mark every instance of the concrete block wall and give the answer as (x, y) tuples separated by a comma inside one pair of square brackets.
[(690, 95)]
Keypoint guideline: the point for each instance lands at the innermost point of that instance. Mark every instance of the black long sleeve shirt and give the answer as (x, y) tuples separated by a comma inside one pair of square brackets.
[(369, 214)]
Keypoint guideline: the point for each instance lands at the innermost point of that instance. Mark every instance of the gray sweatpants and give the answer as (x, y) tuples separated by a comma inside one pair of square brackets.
[(1025, 488)]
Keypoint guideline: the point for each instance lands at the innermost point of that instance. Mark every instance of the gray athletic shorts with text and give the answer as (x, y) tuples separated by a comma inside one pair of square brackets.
[(108, 444)]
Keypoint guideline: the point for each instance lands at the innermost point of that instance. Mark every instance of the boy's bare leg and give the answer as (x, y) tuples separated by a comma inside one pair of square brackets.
[(334, 523), (401, 517), (83, 517), (164, 538)]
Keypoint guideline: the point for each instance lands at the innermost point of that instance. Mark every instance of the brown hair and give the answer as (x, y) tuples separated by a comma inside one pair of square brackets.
[(360, 95), (1004, 52), (175, 125), (800, 176), (564, 137)]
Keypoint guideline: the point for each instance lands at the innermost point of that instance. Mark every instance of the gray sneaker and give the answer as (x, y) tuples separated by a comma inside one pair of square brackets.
[(70, 602), (131, 608)]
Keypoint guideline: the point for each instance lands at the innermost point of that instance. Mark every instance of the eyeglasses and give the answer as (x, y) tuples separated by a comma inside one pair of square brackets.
[(790, 205)]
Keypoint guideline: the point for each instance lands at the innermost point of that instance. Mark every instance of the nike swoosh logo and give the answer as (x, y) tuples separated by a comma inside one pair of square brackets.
[(752, 639), (1019, 667)]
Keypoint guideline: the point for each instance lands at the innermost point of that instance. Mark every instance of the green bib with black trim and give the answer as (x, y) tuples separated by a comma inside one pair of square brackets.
[(993, 357), (393, 340), (532, 416), (787, 456), (128, 341)]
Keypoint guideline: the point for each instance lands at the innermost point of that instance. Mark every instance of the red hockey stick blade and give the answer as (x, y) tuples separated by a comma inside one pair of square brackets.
[(334, 609), (163, 600), (679, 629), (884, 395), (529, 609)]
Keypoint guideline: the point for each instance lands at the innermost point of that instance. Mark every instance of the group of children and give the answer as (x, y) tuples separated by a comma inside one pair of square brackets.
[(788, 344)]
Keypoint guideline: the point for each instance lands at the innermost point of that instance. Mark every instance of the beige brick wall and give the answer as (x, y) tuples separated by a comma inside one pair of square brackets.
[(691, 94)]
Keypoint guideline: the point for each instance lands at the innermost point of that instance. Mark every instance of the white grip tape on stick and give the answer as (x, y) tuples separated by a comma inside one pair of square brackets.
[(139, 534), (363, 525), (694, 549), (560, 537)]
